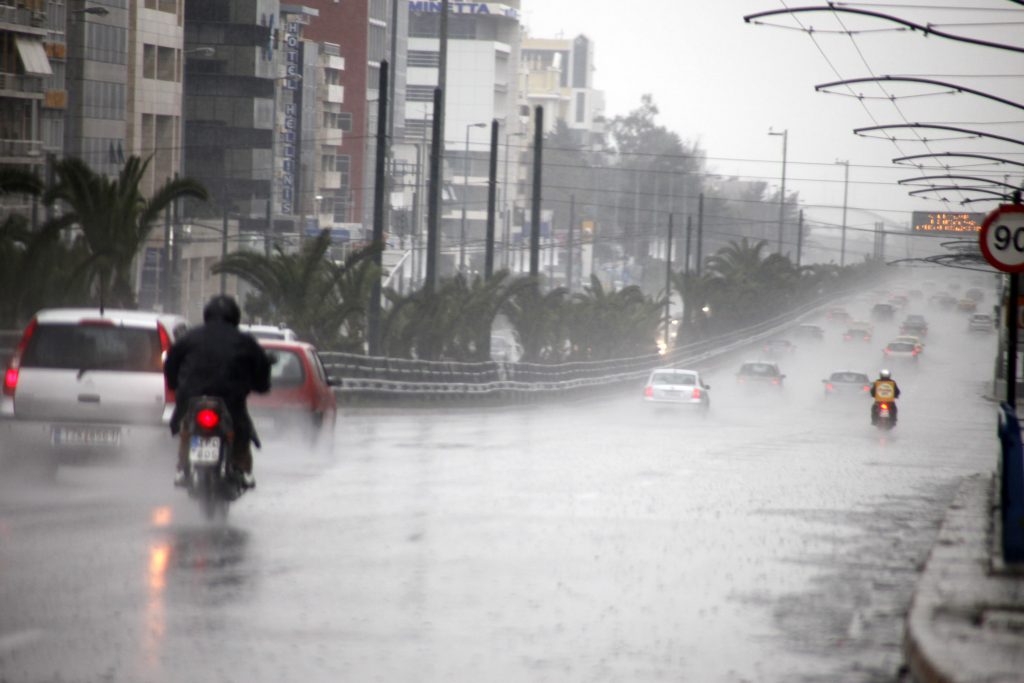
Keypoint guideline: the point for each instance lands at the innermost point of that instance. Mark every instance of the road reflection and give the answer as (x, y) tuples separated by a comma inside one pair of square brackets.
[(189, 568)]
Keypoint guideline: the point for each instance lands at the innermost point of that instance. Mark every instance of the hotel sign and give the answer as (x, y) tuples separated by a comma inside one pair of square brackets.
[(947, 222)]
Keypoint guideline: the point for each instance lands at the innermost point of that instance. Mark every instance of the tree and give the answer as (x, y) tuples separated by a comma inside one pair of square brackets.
[(454, 322), (323, 302), (34, 264), (614, 324), (115, 220)]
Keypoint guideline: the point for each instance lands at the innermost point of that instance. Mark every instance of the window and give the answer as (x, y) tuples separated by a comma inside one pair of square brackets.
[(581, 107), (343, 164), (419, 93), (327, 162), (345, 122), (423, 58), (148, 61), (166, 63), (105, 43), (103, 100), (93, 347)]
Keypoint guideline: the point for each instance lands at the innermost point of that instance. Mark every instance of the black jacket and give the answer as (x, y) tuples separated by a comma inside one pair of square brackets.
[(217, 360)]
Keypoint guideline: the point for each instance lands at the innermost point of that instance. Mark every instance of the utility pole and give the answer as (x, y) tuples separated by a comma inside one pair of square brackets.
[(668, 281), (437, 155), (379, 189), (538, 153), (846, 187), (689, 226), (782, 191), (492, 197), (569, 245), (799, 237), (700, 232)]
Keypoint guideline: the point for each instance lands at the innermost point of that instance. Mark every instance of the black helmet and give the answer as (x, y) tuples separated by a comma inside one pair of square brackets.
[(222, 308)]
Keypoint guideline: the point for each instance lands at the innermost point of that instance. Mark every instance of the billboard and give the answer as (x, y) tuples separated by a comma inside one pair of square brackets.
[(947, 222)]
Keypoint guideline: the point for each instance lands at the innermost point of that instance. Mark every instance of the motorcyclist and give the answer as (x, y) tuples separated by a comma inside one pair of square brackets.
[(884, 390), (217, 359)]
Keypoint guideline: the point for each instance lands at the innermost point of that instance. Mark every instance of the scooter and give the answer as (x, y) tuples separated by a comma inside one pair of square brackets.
[(212, 479), (883, 415)]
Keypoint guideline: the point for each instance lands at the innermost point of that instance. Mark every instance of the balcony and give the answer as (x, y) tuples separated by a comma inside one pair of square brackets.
[(336, 94), (30, 86), (21, 151), (331, 136)]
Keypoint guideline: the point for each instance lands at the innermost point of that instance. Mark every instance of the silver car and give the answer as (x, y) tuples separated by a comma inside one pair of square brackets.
[(673, 385), (84, 382)]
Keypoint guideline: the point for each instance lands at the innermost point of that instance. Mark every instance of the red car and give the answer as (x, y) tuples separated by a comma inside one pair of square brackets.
[(301, 397)]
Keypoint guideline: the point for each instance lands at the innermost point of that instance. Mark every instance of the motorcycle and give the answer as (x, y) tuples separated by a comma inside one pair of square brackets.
[(885, 417), (212, 479)]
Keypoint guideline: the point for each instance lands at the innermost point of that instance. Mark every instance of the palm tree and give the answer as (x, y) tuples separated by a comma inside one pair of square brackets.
[(453, 322), (115, 220), (306, 290), (613, 324), (34, 264), (539, 321), (754, 285)]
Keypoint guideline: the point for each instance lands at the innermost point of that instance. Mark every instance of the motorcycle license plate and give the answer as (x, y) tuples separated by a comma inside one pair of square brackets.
[(884, 412), (204, 450)]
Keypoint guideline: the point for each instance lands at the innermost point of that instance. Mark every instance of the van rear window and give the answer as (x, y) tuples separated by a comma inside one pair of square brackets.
[(94, 347)]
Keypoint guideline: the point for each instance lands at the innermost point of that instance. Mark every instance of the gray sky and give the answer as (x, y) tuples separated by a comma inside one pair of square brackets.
[(724, 83)]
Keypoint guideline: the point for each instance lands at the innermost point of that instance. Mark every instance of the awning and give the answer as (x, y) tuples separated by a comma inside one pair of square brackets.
[(33, 56)]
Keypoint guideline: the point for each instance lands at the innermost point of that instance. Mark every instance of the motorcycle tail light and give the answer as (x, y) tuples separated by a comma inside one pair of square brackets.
[(207, 419), (883, 406)]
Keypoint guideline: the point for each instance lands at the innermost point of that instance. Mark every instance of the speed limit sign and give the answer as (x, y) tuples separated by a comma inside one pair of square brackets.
[(1002, 238)]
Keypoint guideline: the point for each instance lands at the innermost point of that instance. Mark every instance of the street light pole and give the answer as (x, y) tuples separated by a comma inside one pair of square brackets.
[(465, 190), (782, 191), (846, 187), (504, 202)]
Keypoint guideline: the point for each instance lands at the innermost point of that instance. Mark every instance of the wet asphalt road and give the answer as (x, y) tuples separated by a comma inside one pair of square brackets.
[(777, 539)]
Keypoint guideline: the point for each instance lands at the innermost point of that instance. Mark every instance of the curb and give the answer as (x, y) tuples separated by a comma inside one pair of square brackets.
[(962, 625)]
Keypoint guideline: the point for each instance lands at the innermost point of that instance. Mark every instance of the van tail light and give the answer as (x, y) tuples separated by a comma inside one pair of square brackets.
[(648, 391), (885, 351), (165, 346), (867, 338), (207, 419), (829, 387), (867, 387), (696, 393), (847, 337), (14, 367), (776, 381)]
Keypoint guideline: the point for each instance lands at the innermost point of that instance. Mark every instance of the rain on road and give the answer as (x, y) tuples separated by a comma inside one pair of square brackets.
[(778, 539)]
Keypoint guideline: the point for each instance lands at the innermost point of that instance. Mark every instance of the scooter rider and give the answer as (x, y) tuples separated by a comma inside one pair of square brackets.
[(217, 359), (884, 390)]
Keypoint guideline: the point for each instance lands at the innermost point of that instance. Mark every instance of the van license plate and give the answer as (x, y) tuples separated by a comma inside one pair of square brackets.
[(204, 450), (86, 436)]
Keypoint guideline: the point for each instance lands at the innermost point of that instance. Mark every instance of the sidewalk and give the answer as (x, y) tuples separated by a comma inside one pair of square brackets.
[(966, 621)]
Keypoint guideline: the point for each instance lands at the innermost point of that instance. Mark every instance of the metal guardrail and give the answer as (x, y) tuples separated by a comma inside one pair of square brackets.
[(363, 377)]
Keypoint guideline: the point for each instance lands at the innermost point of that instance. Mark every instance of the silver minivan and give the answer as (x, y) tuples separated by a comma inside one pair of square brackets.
[(86, 381)]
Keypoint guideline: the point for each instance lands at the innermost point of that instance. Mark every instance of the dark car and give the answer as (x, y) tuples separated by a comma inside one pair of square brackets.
[(808, 332), (914, 325), (847, 383), (301, 397), (882, 311), (760, 373), (857, 334)]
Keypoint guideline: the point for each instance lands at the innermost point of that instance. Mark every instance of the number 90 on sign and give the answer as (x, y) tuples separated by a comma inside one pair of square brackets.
[(1002, 238)]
